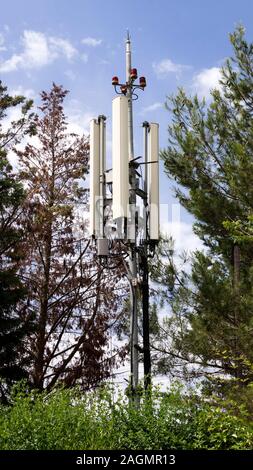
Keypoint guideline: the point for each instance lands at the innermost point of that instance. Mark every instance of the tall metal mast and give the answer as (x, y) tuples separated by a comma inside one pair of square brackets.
[(124, 180), (134, 369)]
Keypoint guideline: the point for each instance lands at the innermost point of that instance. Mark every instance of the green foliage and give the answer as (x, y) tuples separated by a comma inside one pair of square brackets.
[(240, 230), (69, 419), (13, 327), (209, 155), (217, 429)]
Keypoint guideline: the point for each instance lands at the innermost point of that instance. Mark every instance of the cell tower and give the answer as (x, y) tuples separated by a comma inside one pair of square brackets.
[(139, 234)]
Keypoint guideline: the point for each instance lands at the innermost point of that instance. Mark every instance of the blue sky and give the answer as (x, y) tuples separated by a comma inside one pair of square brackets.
[(80, 44)]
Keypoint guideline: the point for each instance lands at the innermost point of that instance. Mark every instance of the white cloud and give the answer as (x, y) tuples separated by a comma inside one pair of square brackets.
[(38, 51), (207, 80), (84, 58), (152, 107), (78, 119), (10, 65), (93, 42), (26, 92), (172, 224), (166, 66), (13, 115), (62, 46), (79, 123), (182, 234)]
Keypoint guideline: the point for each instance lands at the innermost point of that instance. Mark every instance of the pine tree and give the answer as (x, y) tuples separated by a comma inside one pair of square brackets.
[(13, 326), (210, 157)]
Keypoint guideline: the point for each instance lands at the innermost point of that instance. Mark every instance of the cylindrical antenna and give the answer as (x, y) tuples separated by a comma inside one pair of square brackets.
[(153, 181), (120, 164)]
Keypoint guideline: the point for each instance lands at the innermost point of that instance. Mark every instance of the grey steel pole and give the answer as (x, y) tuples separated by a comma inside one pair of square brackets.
[(134, 370), (145, 272)]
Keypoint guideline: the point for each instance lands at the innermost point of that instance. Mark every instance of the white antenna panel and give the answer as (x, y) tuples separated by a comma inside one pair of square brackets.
[(94, 176), (153, 180), (120, 163)]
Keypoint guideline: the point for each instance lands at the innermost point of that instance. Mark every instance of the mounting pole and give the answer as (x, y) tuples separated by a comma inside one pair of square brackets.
[(138, 249), (134, 369), (101, 122), (145, 271)]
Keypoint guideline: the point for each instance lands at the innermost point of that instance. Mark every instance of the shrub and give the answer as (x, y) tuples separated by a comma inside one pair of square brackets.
[(70, 419)]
